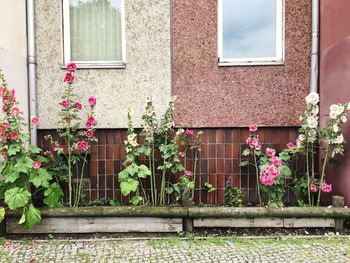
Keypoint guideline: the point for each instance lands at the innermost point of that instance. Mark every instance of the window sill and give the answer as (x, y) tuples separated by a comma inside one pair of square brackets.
[(253, 63), (119, 65)]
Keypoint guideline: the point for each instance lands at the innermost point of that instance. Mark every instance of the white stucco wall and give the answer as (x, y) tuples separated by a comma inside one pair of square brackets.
[(147, 71), (13, 48)]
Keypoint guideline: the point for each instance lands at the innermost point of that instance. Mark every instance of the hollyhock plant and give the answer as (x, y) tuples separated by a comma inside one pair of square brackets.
[(21, 176), (271, 169), (77, 140), (313, 188), (327, 188)]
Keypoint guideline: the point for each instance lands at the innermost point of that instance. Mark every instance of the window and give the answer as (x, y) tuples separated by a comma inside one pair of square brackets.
[(250, 32), (94, 33)]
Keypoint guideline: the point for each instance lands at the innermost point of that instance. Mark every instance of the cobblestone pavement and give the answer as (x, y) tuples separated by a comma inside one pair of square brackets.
[(212, 249)]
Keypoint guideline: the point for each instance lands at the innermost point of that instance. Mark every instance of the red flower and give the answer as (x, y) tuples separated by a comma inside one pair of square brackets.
[(36, 165), (92, 101), (89, 134), (88, 125), (68, 78), (35, 120), (253, 128), (65, 104), (71, 67), (189, 132), (14, 136), (15, 111), (6, 124), (91, 120), (78, 105), (83, 145)]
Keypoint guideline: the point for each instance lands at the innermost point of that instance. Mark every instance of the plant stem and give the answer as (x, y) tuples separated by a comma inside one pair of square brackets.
[(162, 186), (322, 177), (257, 179), (154, 175), (69, 168), (308, 174), (151, 179), (81, 180), (194, 172), (312, 169)]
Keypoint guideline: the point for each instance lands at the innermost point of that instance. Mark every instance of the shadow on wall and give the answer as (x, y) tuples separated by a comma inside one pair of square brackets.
[(335, 87)]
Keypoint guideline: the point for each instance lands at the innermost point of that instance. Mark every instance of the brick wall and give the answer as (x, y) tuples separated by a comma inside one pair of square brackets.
[(218, 160)]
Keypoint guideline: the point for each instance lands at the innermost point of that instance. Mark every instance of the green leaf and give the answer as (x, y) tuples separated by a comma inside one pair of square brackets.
[(53, 195), (40, 177), (136, 200), (15, 148), (285, 170), (34, 149), (133, 169), (31, 218), (2, 213), (17, 197), (243, 163), (12, 177), (129, 186), (23, 164), (123, 175), (246, 152), (143, 171), (2, 165), (169, 190)]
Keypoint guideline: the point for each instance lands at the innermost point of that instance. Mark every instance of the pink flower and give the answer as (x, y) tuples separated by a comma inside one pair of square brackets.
[(65, 104), (35, 120), (83, 145), (89, 134), (253, 128), (78, 105), (327, 188), (36, 165), (92, 101), (188, 173), (68, 78), (270, 152), (266, 179), (91, 120), (248, 140), (14, 136), (313, 188), (1, 91), (276, 161), (15, 111), (6, 124), (88, 125), (189, 132), (182, 154), (290, 145), (258, 147), (71, 67)]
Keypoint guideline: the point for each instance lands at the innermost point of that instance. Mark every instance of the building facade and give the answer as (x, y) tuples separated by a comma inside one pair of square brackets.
[(181, 48)]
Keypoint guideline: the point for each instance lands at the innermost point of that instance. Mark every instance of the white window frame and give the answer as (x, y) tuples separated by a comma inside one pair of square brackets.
[(90, 64), (277, 60)]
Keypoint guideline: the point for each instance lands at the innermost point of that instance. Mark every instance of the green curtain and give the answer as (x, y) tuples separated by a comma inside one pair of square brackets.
[(96, 30)]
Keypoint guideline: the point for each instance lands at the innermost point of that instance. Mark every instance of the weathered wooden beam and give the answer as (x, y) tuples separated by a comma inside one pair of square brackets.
[(254, 212), (338, 201), (238, 222), (122, 211), (70, 225)]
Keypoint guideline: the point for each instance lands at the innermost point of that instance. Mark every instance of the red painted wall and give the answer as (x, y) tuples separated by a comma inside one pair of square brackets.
[(335, 79), (212, 96)]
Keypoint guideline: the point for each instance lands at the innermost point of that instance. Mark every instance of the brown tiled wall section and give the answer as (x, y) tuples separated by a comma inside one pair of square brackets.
[(219, 160)]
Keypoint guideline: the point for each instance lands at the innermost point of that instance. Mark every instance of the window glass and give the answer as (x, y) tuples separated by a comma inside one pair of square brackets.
[(250, 29), (95, 30)]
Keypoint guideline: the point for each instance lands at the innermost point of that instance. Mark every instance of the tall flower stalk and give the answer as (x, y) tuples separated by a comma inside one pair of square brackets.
[(77, 139)]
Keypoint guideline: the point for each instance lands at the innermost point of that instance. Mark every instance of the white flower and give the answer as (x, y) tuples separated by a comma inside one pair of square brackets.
[(312, 133), (335, 111), (335, 128), (301, 137), (301, 118), (315, 110), (313, 98), (333, 115), (312, 122), (339, 139), (348, 107), (148, 99), (344, 119)]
